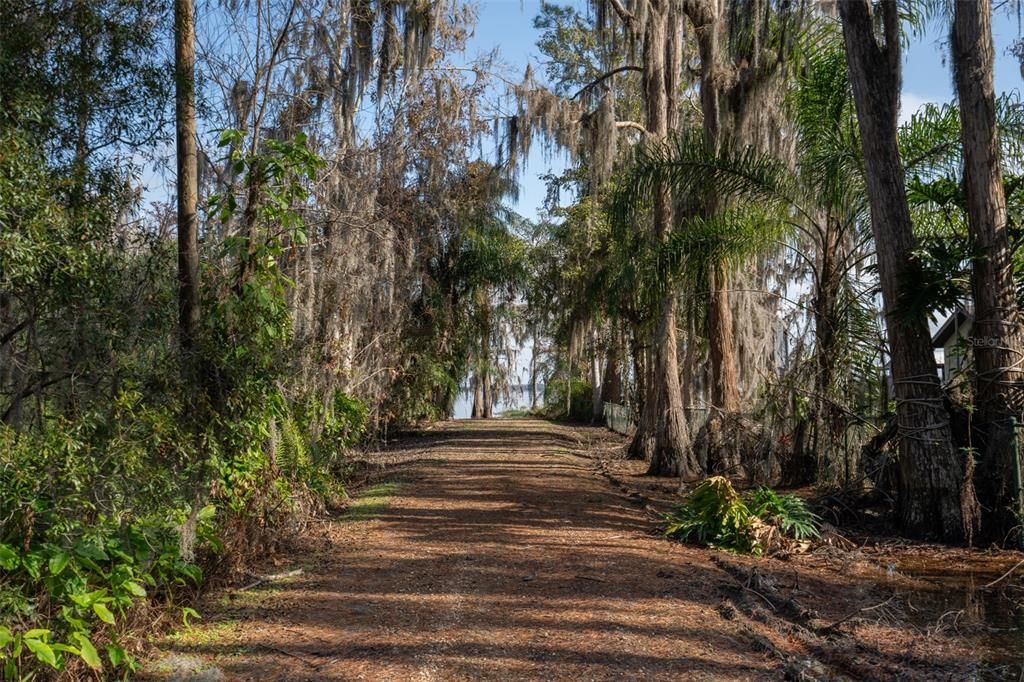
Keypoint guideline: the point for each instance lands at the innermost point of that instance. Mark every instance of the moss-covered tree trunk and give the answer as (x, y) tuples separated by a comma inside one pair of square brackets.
[(721, 337), (478, 397), (662, 436)]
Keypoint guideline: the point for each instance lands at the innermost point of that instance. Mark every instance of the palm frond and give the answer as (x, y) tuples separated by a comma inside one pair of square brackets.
[(930, 141), (828, 143), (690, 168)]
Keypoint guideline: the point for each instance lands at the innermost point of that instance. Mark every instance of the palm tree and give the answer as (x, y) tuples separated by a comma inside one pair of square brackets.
[(814, 209), (818, 209)]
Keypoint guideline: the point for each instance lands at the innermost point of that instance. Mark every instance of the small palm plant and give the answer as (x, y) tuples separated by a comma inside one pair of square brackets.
[(717, 516), (788, 513), (714, 515)]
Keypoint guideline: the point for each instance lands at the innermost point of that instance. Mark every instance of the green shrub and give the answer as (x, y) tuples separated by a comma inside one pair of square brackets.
[(92, 511), (786, 512), (581, 403), (318, 461), (716, 515), (345, 424), (89, 527)]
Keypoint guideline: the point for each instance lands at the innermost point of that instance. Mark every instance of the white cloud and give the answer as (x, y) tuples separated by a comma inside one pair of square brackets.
[(910, 103)]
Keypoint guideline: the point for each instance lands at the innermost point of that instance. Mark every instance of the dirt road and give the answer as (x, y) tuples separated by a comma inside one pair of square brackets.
[(498, 553)]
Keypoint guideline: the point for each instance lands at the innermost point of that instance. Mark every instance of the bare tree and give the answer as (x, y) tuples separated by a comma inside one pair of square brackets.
[(185, 133)]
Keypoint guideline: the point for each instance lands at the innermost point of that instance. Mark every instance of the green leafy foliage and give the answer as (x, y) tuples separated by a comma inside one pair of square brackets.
[(787, 512), (314, 438), (577, 407), (475, 268), (99, 483), (716, 515), (90, 529), (345, 426)]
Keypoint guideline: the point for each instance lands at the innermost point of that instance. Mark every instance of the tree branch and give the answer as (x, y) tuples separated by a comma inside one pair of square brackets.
[(632, 124), (14, 331), (624, 14), (30, 390), (604, 77)]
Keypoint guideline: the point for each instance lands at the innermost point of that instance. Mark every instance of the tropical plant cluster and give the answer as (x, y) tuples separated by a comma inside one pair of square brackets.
[(716, 515)]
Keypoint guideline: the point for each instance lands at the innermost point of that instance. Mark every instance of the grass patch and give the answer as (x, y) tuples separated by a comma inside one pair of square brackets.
[(200, 635), (516, 414), (248, 599), (372, 502)]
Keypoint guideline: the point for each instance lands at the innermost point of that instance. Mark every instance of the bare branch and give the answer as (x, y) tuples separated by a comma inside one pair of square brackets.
[(624, 14), (632, 124), (605, 76)]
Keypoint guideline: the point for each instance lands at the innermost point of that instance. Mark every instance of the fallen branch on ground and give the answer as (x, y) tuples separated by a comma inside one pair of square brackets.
[(833, 626), (260, 579), (1004, 576)]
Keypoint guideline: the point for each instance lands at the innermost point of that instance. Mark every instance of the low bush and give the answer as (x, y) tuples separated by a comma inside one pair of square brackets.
[(716, 515), (580, 402), (93, 512)]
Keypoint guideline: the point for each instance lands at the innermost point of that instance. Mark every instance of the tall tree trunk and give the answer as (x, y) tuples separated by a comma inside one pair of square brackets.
[(9, 380), (642, 444), (595, 375), (689, 371), (478, 397), (662, 435), (672, 455), (725, 394), (721, 339), (486, 381), (533, 371), (488, 393), (998, 348), (86, 52), (931, 473), (188, 225), (828, 420), (611, 386), (640, 373), (188, 183)]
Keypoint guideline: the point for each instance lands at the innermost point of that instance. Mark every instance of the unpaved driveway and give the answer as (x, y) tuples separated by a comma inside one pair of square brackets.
[(500, 555)]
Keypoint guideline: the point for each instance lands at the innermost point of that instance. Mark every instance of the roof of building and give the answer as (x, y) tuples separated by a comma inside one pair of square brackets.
[(950, 327)]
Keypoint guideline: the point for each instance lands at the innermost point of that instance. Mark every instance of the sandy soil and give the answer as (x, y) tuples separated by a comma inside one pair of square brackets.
[(511, 550)]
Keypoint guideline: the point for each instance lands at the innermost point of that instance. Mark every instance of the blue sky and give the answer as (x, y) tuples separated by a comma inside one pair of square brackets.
[(508, 25)]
